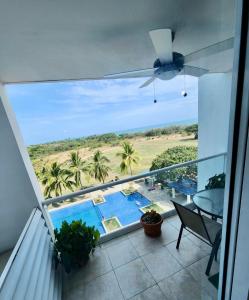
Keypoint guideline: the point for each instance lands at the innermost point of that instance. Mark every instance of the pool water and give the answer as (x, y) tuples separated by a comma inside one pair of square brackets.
[(126, 208)]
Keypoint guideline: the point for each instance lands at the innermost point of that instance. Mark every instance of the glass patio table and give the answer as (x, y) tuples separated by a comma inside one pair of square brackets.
[(210, 202)]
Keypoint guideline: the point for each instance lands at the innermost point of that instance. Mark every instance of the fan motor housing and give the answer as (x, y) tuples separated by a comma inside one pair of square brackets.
[(169, 70), (178, 61)]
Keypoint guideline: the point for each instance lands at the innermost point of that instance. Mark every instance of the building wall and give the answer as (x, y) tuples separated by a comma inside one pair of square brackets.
[(214, 94), (19, 190)]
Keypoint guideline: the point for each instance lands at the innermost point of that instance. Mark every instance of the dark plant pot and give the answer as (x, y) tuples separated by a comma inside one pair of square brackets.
[(72, 265), (83, 261), (152, 230)]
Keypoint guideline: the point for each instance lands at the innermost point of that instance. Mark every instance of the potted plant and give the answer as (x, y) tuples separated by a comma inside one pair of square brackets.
[(216, 182), (74, 243), (152, 222)]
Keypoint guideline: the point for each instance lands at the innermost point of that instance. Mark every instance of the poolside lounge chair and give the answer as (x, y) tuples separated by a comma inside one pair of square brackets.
[(207, 230)]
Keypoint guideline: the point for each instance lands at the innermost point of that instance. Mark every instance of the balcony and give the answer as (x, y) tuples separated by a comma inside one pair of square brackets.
[(135, 266), (127, 264)]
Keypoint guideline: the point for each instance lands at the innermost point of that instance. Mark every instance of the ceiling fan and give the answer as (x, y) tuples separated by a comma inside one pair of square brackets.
[(169, 63)]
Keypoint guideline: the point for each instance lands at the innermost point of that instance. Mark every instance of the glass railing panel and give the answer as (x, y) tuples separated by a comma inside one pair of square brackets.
[(118, 205)]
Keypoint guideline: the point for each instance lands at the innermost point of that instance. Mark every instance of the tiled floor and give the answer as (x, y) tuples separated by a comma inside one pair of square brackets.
[(139, 268)]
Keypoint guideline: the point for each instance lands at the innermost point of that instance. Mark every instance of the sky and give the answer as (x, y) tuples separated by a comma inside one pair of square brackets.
[(54, 111)]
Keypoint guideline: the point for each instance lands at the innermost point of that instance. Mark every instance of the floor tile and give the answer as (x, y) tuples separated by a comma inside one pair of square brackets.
[(200, 243), (198, 270), (72, 294), (98, 264), (121, 253), (161, 263), (134, 278), (104, 287), (175, 221), (169, 233), (182, 286), (188, 252), (153, 293), (145, 244), (114, 241)]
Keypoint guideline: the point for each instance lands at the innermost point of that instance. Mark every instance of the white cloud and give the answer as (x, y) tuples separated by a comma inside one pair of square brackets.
[(78, 108)]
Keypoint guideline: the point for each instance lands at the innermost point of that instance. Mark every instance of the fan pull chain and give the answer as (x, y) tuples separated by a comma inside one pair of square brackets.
[(154, 89), (184, 93)]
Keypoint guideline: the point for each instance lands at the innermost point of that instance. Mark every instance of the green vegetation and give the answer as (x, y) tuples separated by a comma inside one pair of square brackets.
[(154, 206), (72, 170), (151, 217), (216, 182), (111, 224), (97, 141), (78, 167), (192, 129), (128, 156), (129, 191), (56, 178), (74, 243), (98, 168), (98, 200), (173, 156)]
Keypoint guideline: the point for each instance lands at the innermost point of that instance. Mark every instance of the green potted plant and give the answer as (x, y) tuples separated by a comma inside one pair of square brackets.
[(151, 222), (216, 182), (74, 243)]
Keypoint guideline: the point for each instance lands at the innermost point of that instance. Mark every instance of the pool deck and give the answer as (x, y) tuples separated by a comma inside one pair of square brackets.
[(163, 197), (137, 267)]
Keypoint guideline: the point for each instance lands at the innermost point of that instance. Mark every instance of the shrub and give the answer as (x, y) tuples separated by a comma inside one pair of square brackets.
[(192, 129), (173, 156), (151, 217), (215, 182), (74, 242)]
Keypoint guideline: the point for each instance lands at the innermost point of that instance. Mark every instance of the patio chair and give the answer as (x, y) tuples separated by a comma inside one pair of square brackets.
[(207, 230)]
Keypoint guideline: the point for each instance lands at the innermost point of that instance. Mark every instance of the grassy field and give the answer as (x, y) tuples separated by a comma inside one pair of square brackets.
[(147, 147)]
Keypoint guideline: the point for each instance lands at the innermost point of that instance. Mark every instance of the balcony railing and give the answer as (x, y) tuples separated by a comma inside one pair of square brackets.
[(116, 207)]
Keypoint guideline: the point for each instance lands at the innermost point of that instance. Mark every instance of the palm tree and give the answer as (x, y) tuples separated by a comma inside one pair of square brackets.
[(78, 167), (56, 178), (98, 168), (129, 157)]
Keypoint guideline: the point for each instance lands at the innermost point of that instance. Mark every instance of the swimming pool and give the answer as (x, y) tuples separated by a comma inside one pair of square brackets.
[(126, 208)]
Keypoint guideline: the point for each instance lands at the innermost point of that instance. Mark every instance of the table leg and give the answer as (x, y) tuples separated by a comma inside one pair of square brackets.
[(188, 198)]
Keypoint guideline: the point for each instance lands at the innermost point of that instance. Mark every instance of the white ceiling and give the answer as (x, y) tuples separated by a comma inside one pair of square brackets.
[(82, 39)]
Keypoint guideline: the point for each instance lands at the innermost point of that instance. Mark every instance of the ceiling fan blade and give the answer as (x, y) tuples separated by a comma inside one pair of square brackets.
[(148, 82), (131, 74), (210, 50), (162, 42), (193, 71)]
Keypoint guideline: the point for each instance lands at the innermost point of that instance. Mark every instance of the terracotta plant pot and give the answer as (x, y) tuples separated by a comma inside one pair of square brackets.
[(152, 230)]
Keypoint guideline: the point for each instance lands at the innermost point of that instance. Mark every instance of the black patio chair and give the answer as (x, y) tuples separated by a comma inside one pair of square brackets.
[(207, 230)]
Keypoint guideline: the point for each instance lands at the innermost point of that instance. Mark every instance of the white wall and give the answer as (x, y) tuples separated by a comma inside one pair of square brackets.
[(240, 288), (214, 95), (19, 190)]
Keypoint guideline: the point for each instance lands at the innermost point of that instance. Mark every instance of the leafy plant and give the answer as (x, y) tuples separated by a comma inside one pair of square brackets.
[(217, 181), (74, 242), (42, 150), (78, 167), (129, 157), (151, 217), (56, 178), (98, 168), (173, 156), (192, 129)]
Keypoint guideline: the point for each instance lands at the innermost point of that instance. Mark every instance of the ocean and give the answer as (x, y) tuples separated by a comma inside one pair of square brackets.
[(164, 125)]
